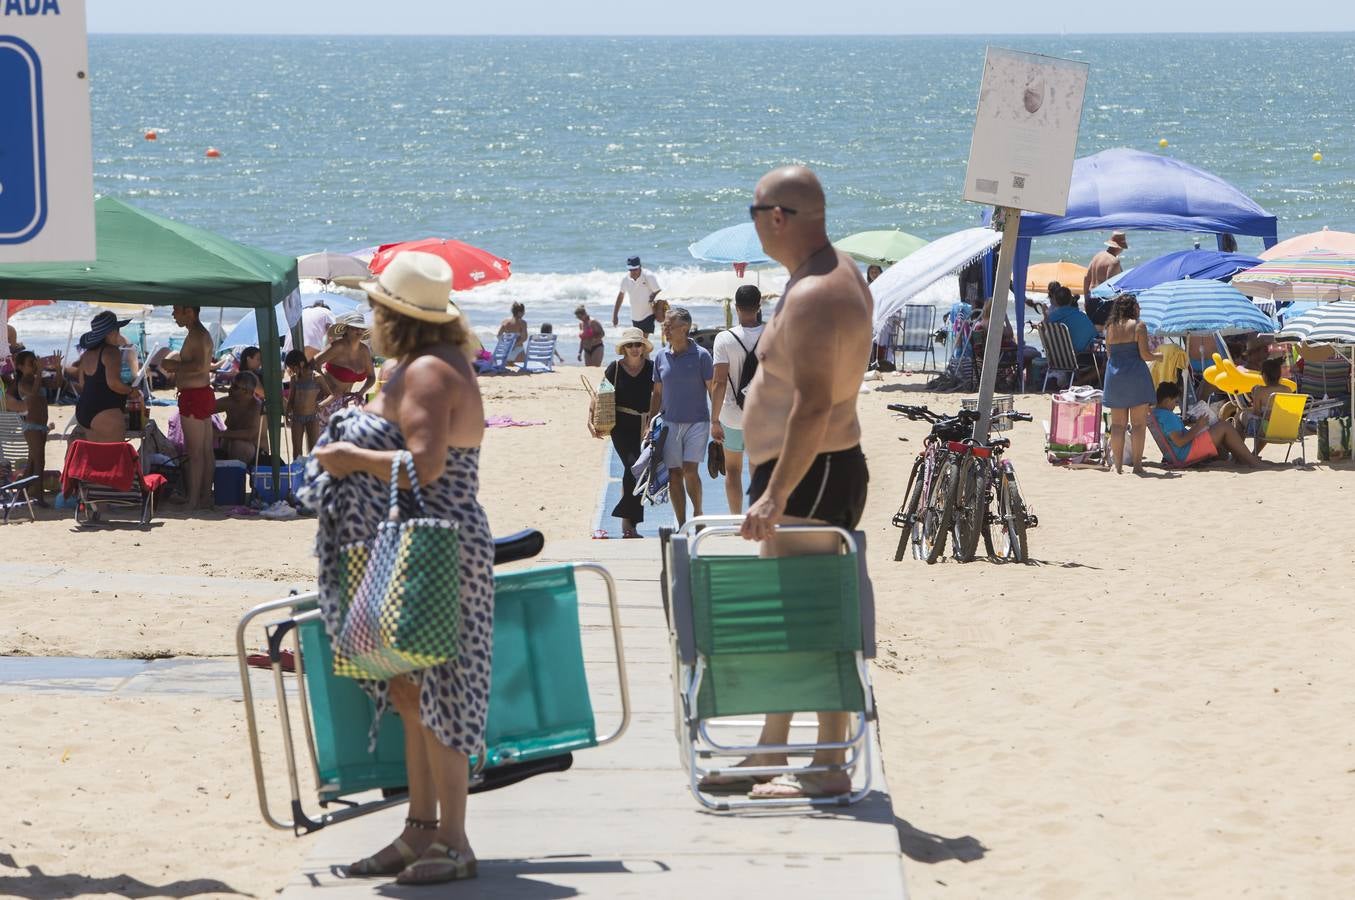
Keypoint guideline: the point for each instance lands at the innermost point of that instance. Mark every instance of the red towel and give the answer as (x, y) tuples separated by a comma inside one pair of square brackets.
[(108, 465)]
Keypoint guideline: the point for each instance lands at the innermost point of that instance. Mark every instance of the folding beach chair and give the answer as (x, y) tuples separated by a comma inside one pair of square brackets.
[(13, 452), (916, 334), (1164, 446), (1074, 435), (107, 476), (1058, 349), (1284, 424), (540, 711), (752, 636), (497, 364), (540, 353)]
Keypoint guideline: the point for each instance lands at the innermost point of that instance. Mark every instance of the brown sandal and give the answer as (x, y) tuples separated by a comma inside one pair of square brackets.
[(371, 867), (438, 865)]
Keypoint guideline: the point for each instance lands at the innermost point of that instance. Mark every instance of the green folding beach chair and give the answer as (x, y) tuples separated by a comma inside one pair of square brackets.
[(756, 636), (540, 711)]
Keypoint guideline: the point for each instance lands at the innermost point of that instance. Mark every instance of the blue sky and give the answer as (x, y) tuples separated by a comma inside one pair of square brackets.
[(748, 17)]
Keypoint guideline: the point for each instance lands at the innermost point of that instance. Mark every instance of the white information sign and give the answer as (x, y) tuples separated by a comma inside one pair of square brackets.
[(1025, 132), (46, 165)]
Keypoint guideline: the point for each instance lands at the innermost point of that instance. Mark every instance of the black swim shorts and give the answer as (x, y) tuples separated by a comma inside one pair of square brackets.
[(646, 324), (832, 491)]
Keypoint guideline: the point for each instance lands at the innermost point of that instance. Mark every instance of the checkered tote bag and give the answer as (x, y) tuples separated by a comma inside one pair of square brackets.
[(399, 592)]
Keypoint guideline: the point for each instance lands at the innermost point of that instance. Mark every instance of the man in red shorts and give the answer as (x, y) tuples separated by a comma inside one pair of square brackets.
[(192, 367)]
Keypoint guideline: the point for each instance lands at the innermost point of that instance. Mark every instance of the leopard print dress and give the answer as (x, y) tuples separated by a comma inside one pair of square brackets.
[(453, 696)]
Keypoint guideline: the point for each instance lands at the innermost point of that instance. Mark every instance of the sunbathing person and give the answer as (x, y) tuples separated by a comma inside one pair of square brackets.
[(1200, 441), (240, 440), (303, 402), (28, 382), (1252, 422)]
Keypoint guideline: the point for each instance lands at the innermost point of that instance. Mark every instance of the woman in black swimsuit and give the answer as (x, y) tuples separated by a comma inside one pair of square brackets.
[(99, 410), (633, 377)]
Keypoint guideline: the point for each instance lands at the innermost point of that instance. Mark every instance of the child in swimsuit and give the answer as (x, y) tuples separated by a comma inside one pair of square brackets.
[(303, 402), (28, 381)]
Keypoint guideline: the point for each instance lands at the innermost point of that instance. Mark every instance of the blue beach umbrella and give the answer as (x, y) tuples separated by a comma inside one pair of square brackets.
[(735, 244), (1194, 264), (246, 331), (1180, 307)]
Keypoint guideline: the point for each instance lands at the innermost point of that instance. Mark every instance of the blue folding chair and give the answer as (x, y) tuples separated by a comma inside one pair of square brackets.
[(540, 353), (497, 364)]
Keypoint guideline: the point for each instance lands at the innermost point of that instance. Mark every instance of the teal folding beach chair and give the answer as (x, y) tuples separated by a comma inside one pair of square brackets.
[(540, 711), (755, 635)]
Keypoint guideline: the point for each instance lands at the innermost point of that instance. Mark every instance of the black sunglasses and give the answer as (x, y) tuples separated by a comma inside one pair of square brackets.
[(755, 208)]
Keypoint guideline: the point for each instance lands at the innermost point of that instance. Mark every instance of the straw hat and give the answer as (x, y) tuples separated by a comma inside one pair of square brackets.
[(417, 285), (101, 326), (632, 336), (353, 320), (1117, 239)]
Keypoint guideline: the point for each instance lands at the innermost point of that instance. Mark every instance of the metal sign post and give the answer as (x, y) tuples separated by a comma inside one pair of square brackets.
[(46, 163), (1021, 157)]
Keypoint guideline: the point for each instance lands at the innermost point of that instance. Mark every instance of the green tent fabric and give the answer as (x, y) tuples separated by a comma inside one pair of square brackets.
[(144, 258)]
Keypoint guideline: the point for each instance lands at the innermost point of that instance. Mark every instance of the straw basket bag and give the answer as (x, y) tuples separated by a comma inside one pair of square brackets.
[(604, 405)]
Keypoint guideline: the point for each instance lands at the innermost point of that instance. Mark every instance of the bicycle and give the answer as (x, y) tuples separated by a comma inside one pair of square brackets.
[(927, 511), (984, 476)]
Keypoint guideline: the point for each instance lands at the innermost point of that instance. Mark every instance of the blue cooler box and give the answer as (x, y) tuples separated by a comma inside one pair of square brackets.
[(228, 483), (289, 479)]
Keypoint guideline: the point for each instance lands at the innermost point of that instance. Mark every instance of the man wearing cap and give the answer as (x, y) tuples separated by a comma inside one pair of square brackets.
[(733, 349), (683, 378), (641, 287), (1104, 266), (192, 368)]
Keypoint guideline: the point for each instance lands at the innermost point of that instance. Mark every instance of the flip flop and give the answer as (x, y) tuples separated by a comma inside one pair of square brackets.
[(438, 865), (600, 535), (790, 787), (287, 662)]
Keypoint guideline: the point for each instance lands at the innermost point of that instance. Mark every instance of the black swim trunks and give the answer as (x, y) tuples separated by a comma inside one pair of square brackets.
[(646, 324), (832, 491)]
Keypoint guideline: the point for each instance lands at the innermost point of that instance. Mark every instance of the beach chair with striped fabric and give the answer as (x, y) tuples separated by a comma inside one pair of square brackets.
[(916, 333), (13, 453), (1058, 349), (540, 709), (756, 636), (497, 364), (540, 353)]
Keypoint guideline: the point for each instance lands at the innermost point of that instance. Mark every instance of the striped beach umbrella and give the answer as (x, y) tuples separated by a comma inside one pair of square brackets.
[(1180, 307), (1326, 239), (1317, 275), (1331, 323)]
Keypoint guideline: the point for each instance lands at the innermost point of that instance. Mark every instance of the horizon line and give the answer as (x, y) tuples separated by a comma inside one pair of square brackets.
[(630, 34)]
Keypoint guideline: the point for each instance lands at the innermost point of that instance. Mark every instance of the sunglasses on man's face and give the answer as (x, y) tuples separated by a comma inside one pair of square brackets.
[(755, 208)]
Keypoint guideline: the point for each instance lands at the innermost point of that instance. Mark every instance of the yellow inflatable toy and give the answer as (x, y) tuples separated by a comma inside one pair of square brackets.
[(1227, 377)]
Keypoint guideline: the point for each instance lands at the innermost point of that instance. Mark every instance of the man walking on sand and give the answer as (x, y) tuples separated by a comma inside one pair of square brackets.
[(683, 378), (641, 287), (197, 402), (800, 426), (732, 352)]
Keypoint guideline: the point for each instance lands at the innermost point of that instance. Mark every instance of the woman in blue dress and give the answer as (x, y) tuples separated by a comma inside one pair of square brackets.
[(1129, 392)]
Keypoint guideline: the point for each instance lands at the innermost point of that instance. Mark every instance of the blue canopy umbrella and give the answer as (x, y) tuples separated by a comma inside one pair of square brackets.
[(246, 331), (1180, 307), (735, 244), (1193, 264)]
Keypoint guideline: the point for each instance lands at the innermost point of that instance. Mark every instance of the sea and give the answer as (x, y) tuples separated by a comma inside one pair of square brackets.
[(567, 155)]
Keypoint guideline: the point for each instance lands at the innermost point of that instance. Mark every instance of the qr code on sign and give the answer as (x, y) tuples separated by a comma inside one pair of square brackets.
[(985, 185), (1018, 181)]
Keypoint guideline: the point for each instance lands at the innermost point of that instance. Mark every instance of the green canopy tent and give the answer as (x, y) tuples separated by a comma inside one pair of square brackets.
[(143, 258)]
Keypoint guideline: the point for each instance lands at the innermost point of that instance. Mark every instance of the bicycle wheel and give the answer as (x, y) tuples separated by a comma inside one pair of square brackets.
[(906, 517), (1012, 513), (971, 507), (940, 510)]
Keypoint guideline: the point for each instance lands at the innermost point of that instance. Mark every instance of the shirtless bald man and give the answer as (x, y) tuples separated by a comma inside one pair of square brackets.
[(801, 430)]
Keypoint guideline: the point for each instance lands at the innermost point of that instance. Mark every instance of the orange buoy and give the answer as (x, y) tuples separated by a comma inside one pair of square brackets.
[(212, 153), (151, 135)]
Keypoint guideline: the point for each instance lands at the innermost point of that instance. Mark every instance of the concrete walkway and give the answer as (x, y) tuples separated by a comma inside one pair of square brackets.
[(621, 823)]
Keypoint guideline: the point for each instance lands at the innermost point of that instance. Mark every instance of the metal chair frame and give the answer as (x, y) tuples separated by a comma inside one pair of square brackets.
[(916, 332)]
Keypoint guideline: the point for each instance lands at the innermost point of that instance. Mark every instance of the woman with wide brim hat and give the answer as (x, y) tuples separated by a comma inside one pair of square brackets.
[(430, 407), (345, 364), (99, 411), (632, 377)]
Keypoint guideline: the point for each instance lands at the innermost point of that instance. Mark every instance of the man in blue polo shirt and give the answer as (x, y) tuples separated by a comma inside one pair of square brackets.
[(684, 376)]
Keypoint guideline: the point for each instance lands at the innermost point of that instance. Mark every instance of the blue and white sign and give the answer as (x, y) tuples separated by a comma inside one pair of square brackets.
[(46, 164)]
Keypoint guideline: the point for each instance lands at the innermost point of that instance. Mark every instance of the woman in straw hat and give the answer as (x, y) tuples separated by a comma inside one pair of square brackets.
[(633, 377), (431, 407), (344, 364)]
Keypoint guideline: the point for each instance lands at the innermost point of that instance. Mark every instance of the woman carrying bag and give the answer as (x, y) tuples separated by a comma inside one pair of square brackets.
[(428, 421), (633, 378)]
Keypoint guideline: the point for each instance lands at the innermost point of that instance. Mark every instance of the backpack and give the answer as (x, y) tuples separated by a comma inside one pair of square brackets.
[(747, 372)]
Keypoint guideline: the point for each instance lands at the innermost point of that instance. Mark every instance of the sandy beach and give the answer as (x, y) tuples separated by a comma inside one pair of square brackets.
[(1155, 708)]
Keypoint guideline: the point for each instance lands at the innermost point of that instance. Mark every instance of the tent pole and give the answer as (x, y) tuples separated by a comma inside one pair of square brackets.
[(997, 318), (266, 322)]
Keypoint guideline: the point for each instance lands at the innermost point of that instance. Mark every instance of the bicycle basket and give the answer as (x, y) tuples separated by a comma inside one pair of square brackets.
[(1002, 404)]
